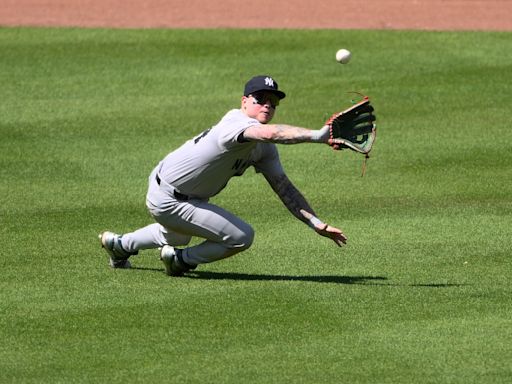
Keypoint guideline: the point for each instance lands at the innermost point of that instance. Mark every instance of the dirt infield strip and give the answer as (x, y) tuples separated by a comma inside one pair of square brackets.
[(336, 14)]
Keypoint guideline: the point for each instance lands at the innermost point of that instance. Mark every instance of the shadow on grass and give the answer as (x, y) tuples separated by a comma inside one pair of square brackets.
[(365, 280), (332, 279), (434, 285)]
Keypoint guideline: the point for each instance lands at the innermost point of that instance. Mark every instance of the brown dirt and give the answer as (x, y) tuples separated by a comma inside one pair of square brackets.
[(337, 14)]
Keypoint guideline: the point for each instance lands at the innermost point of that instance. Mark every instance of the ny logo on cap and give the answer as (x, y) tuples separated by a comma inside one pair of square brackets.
[(269, 81)]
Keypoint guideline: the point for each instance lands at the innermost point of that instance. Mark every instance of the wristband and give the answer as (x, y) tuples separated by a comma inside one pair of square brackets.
[(320, 135), (314, 221)]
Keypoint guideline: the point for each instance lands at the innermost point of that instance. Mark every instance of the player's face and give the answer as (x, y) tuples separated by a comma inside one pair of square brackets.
[(260, 106)]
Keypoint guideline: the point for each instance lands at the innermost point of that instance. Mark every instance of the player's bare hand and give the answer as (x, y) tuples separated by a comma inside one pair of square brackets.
[(333, 233)]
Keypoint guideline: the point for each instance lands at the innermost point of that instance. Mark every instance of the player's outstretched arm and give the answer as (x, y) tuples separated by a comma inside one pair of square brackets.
[(286, 134), (299, 207)]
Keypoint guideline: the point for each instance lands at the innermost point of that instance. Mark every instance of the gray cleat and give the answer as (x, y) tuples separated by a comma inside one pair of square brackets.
[(111, 242), (173, 262)]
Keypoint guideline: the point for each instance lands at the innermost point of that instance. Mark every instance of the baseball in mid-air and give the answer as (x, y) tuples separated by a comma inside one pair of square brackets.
[(343, 56)]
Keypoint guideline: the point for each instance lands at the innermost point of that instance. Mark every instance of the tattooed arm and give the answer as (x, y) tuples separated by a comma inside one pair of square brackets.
[(299, 207), (290, 196), (285, 134)]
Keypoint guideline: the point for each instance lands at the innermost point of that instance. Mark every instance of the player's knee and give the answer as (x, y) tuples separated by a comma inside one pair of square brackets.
[(243, 239), (248, 238)]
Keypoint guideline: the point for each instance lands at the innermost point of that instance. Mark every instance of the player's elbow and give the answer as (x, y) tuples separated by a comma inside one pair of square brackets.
[(268, 134)]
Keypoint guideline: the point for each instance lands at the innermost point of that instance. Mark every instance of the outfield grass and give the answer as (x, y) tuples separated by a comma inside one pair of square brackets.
[(420, 295)]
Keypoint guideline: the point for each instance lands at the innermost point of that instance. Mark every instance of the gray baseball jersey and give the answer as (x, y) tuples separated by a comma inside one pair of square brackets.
[(202, 166)]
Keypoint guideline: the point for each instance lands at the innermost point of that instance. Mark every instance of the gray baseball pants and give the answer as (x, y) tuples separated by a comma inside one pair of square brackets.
[(177, 221)]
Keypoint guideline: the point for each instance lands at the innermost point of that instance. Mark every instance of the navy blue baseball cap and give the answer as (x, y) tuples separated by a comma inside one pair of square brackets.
[(263, 83)]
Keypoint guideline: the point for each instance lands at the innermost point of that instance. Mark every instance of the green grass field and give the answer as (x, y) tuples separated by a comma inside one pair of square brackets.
[(422, 292)]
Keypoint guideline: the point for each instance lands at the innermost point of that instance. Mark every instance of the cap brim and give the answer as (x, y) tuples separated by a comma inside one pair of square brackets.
[(279, 94)]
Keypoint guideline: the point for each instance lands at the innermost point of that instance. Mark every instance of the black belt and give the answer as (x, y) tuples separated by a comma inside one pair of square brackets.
[(177, 195)]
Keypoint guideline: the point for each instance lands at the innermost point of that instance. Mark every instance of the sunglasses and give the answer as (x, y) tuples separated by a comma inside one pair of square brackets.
[(262, 98)]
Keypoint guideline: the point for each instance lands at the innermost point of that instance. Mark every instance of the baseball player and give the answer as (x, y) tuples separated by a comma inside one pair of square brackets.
[(182, 183)]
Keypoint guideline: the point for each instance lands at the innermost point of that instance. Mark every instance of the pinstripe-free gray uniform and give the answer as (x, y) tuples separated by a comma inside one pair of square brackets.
[(181, 184)]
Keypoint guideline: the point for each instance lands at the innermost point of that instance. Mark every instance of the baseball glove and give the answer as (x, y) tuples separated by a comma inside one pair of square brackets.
[(353, 128)]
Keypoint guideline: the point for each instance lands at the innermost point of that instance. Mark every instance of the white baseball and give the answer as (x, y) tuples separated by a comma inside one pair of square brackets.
[(343, 56)]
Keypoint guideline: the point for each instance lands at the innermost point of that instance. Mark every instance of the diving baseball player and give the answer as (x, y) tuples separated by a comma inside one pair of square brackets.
[(182, 183)]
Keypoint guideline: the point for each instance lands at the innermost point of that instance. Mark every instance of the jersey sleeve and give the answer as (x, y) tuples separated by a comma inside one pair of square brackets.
[(233, 125), (267, 160)]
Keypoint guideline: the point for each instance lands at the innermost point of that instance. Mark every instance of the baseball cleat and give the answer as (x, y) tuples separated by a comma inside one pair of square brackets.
[(111, 242), (173, 262)]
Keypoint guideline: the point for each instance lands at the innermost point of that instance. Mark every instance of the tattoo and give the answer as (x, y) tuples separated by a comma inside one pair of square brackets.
[(285, 134), (288, 134), (290, 196)]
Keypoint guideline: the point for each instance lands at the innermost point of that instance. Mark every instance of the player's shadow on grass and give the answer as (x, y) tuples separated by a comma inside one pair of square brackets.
[(356, 280), (365, 280)]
